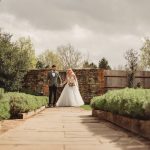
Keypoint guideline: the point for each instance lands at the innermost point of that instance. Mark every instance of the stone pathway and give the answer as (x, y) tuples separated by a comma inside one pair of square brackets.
[(9, 124), (69, 129)]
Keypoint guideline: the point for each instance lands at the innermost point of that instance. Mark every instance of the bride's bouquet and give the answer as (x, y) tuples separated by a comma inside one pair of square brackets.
[(71, 84)]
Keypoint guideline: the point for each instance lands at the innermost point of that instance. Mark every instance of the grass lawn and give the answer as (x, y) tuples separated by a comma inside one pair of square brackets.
[(86, 107)]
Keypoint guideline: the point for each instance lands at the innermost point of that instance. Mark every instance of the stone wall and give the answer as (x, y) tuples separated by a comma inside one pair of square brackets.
[(89, 85), (92, 82)]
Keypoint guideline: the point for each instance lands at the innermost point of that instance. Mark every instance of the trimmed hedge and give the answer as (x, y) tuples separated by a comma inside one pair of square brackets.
[(4, 109), (13, 103), (22, 103), (133, 103), (1, 93)]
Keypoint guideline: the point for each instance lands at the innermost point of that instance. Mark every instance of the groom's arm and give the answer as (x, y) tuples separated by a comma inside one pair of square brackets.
[(48, 78)]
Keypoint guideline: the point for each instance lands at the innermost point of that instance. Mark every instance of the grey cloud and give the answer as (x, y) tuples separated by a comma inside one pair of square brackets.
[(115, 16), (113, 25)]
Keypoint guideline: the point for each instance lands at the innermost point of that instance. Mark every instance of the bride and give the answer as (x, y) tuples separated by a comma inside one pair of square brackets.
[(70, 95)]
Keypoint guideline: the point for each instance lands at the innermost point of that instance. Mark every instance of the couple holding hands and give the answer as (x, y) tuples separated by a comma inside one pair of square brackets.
[(70, 95)]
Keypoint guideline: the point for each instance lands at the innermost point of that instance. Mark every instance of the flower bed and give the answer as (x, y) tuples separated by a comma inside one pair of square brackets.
[(134, 103), (13, 103)]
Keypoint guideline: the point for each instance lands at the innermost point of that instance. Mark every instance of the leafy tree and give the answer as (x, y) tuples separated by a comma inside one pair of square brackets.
[(132, 58), (39, 64), (14, 63), (86, 64), (8, 55), (103, 64), (28, 52), (145, 53), (70, 57), (48, 58)]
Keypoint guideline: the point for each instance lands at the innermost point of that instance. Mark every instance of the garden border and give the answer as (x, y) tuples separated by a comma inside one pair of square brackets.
[(140, 127), (31, 113)]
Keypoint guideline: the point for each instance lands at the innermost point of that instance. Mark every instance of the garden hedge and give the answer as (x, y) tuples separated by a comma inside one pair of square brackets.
[(1, 93), (133, 103), (13, 103), (4, 109)]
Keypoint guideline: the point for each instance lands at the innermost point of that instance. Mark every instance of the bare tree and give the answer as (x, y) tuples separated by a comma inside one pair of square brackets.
[(132, 58), (70, 57)]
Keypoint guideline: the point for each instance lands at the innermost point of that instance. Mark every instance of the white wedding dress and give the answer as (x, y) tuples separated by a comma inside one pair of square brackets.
[(70, 95)]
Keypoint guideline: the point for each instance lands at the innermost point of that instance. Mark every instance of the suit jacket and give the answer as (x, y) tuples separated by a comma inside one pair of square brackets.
[(53, 80)]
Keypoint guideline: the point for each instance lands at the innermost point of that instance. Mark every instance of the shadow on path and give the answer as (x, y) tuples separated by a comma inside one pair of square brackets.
[(114, 137)]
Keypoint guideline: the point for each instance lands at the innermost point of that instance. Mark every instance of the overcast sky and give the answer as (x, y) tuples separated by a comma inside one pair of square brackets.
[(101, 28)]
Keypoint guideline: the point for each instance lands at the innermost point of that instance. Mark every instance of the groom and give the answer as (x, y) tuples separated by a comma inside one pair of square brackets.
[(53, 77)]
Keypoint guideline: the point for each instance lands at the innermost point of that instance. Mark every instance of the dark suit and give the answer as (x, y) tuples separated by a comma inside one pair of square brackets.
[(53, 84)]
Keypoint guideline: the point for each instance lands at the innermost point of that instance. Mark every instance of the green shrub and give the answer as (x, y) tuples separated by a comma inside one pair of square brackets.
[(20, 102), (13, 103), (1, 93), (4, 109), (134, 103)]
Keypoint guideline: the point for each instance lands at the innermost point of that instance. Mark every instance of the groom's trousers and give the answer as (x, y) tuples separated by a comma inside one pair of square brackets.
[(52, 92)]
